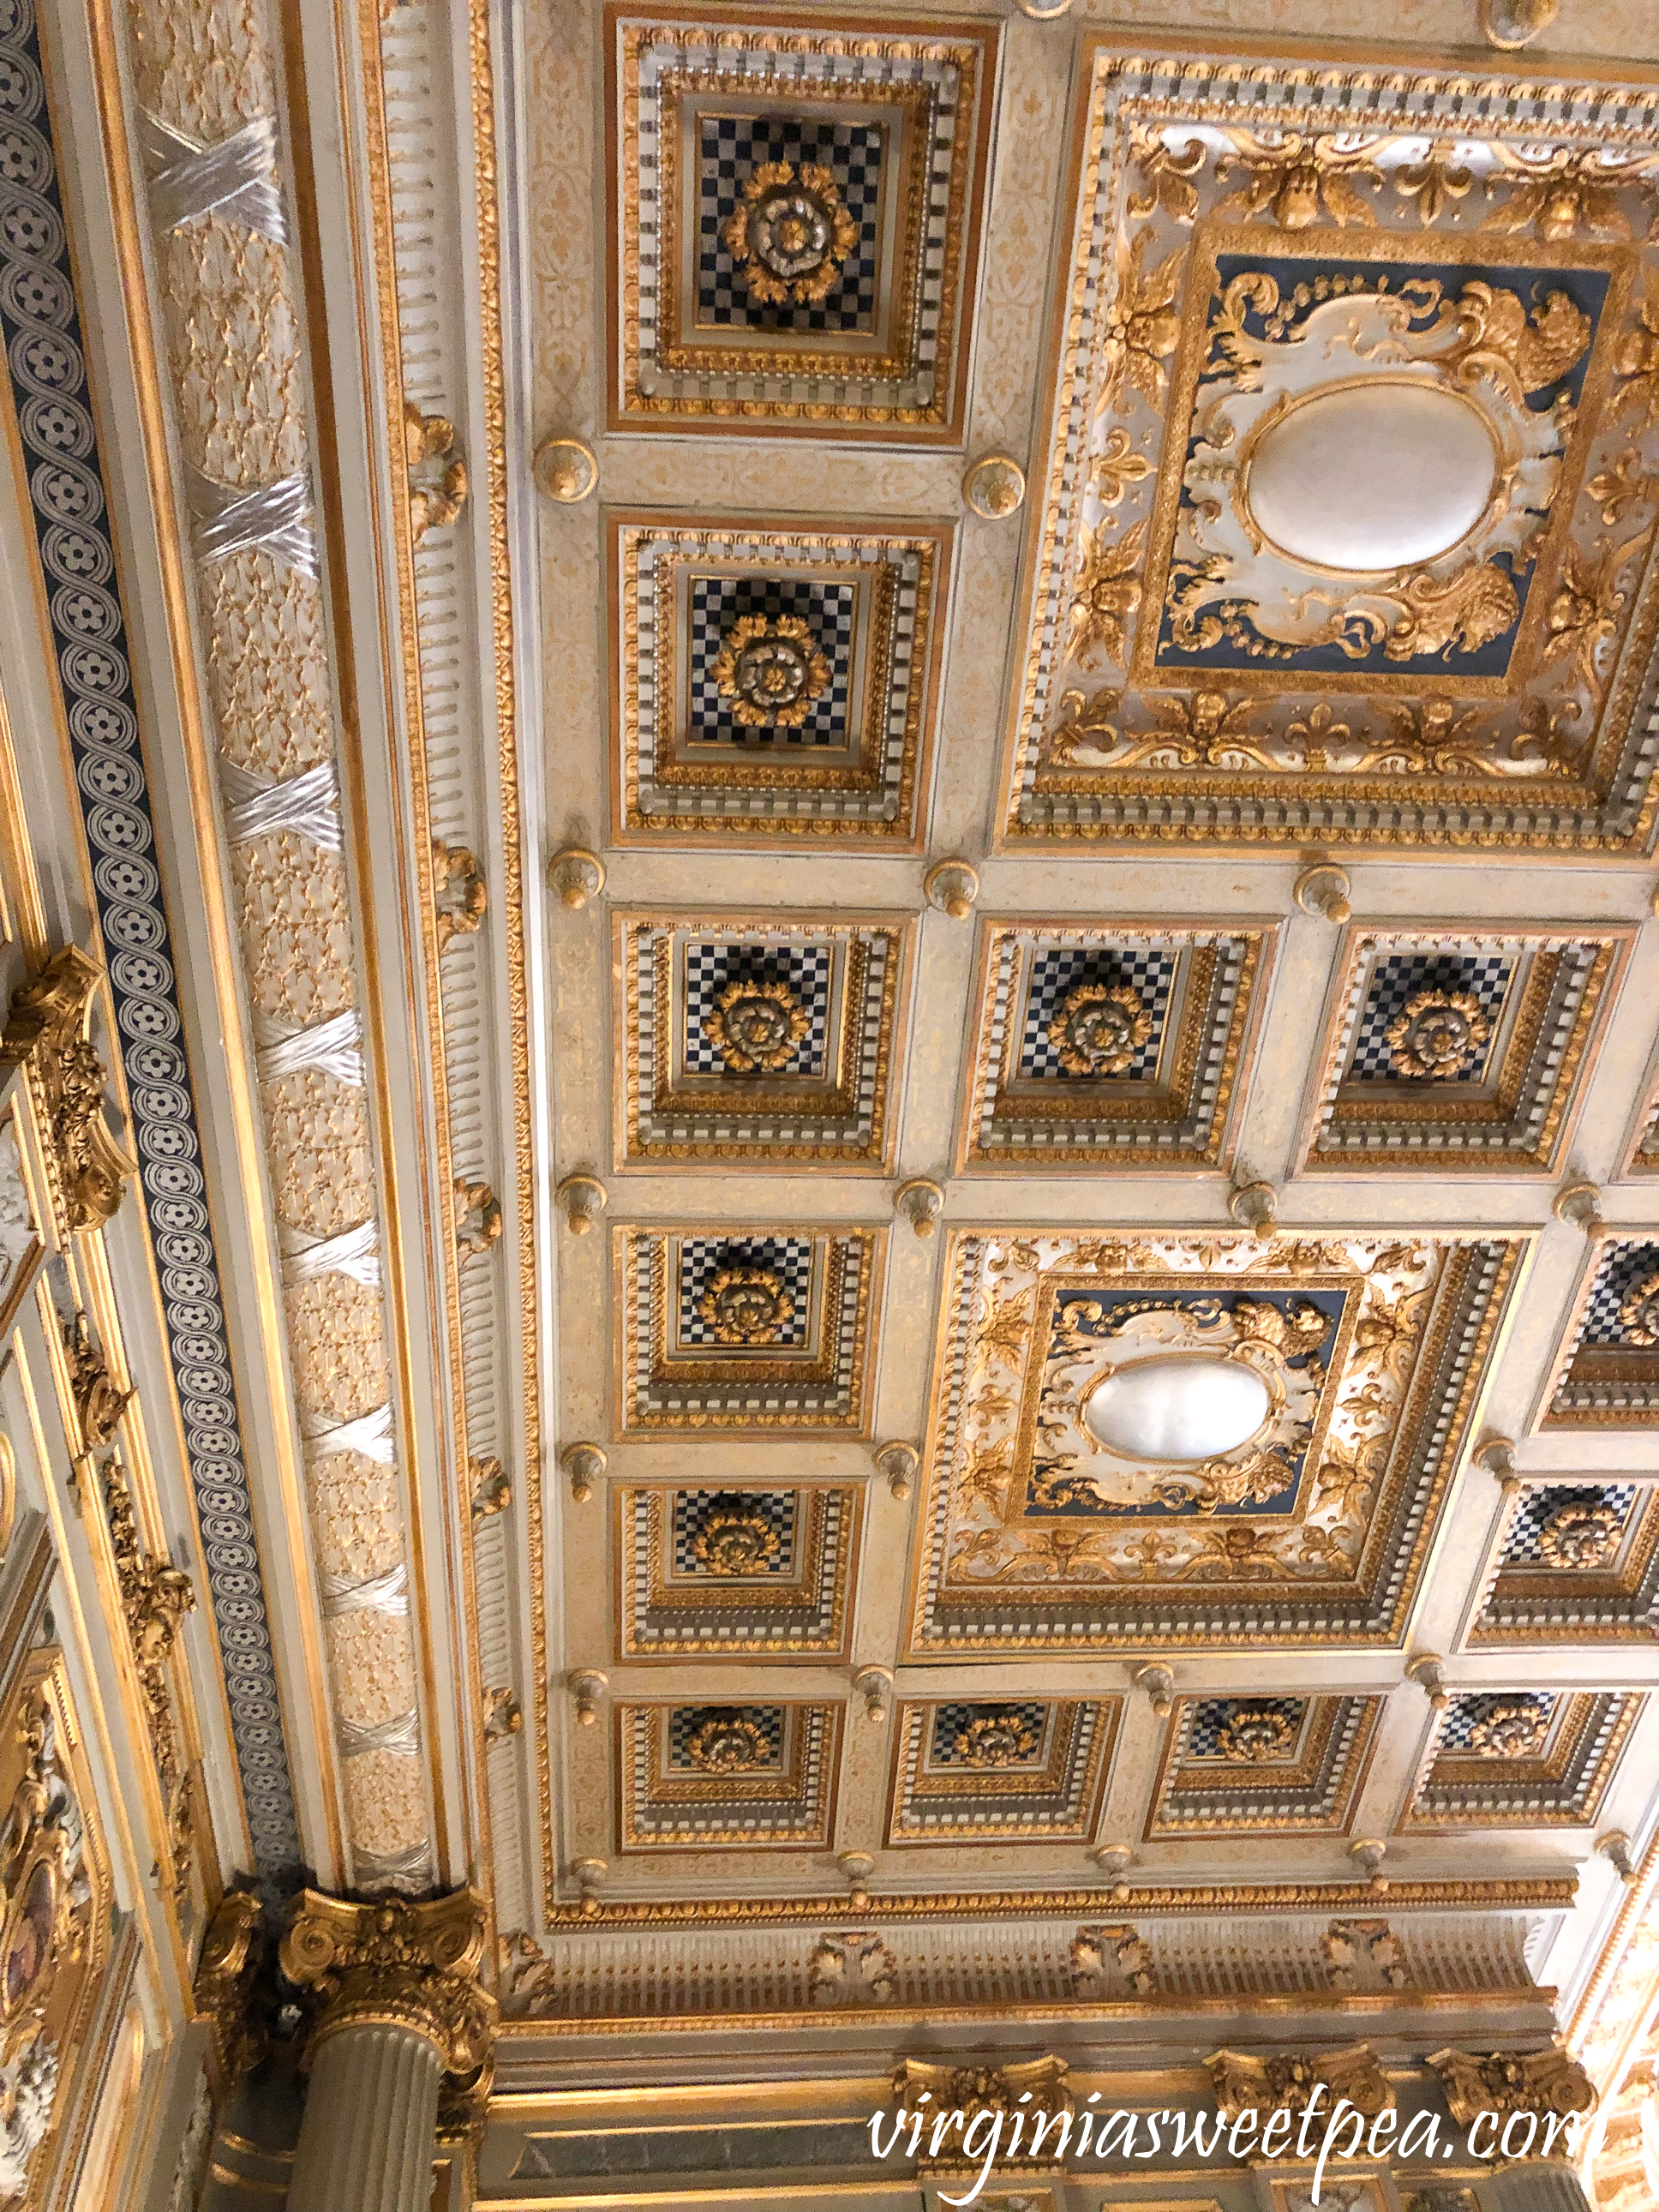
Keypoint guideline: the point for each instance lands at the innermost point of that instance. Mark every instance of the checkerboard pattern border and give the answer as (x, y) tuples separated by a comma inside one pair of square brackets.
[(1059, 969), (1563, 1787), (731, 149), (711, 963), (871, 791), (822, 1387), (718, 602), (1538, 1503), (1013, 1118), (792, 1809), (1053, 1799), (801, 1607), (1530, 1602), (1397, 978), (1602, 1380), (679, 1103), (1514, 1113), (1313, 1790), (906, 382)]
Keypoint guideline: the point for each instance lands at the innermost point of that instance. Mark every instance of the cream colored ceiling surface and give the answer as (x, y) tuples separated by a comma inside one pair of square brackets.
[(1331, 374)]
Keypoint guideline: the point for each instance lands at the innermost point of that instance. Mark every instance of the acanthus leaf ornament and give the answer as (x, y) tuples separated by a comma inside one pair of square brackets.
[(1000, 1739), (736, 1538), (1581, 1538), (48, 1034), (1286, 2082), (1638, 363), (1099, 1028), (746, 1305), (99, 1405), (1546, 2082), (728, 1743), (1508, 1731), (1437, 1035), (413, 1965), (771, 670), (1558, 192), (757, 1026), (1294, 180), (232, 1954), (851, 1968), (460, 895), (46, 1930), (439, 484)]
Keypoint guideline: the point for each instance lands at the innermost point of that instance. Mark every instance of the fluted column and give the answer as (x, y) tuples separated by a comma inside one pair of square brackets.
[(402, 2021), (1541, 2188), (370, 2132)]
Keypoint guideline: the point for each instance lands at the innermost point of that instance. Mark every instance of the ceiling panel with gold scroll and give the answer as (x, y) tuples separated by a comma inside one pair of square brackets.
[(1354, 477), (1056, 1519)]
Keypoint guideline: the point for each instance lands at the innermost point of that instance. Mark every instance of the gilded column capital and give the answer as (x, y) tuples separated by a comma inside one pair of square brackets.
[(402, 1965), (1505, 2082), (226, 1975)]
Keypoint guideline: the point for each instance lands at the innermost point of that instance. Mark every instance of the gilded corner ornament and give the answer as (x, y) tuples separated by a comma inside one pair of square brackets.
[(48, 1034)]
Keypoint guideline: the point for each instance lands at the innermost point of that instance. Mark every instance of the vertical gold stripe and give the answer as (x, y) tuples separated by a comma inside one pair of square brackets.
[(16, 858), (326, 488), (444, 1270), (501, 595), (204, 816)]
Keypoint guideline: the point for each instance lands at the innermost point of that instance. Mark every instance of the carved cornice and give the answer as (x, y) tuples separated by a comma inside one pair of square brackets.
[(48, 1034), (406, 1965)]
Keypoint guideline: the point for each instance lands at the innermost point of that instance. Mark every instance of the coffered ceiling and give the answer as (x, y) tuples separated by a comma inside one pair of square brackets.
[(1135, 472), (989, 745)]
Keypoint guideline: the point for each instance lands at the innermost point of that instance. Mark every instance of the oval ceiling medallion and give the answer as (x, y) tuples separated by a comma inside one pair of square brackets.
[(1372, 477), (1183, 1407)]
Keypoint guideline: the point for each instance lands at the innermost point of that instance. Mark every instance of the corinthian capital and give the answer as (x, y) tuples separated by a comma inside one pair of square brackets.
[(403, 1964)]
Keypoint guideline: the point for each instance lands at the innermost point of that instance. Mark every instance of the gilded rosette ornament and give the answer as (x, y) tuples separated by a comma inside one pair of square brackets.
[(404, 1966), (49, 1035)]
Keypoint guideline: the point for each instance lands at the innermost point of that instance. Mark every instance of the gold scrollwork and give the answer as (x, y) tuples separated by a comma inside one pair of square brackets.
[(48, 1034), (156, 1595)]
